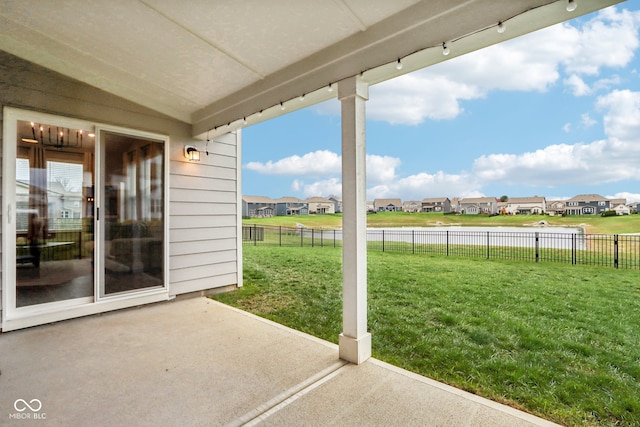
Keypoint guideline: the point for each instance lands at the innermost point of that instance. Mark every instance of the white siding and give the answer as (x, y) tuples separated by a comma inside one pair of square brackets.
[(203, 219)]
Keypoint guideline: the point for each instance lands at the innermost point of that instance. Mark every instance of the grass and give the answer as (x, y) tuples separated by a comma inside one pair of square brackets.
[(556, 340), (591, 223)]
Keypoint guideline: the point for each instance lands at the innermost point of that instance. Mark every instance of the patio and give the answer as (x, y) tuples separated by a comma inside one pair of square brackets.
[(198, 362)]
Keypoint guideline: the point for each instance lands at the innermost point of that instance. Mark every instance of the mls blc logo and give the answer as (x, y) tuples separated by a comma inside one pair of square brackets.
[(28, 410), (21, 405)]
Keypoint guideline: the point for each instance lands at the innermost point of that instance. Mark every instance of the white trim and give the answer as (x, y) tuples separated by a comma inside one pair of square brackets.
[(10, 119), (240, 276), (100, 179), (55, 314), (21, 317)]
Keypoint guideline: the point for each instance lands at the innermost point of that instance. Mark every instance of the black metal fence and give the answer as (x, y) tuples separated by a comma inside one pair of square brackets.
[(614, 250)]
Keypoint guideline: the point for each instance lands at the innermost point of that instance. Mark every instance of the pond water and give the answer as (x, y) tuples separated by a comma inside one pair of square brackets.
[(542, 237), (500, 229)]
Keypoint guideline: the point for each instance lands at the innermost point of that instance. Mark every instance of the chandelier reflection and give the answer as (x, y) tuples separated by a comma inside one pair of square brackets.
[(55, 136)]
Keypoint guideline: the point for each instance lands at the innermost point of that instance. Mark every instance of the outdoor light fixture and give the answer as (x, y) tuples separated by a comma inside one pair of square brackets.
[(571, 6), (501, 27), (191, 153), (445, 49), (399, 64)]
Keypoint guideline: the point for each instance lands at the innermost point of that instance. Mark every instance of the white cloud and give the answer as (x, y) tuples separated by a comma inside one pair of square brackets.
[(422, 185), (577, 86), (325, 163), (613, 159), (606, 83), (608, 40), (381, 168), (622, 120), (314, 164), (320, 188), (411, 98), (586, 120), (533, 62), (297, 185), (413, 187), (567, 127)]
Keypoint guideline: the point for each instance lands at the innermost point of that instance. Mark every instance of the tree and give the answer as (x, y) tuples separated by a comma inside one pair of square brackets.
[(504, 198)]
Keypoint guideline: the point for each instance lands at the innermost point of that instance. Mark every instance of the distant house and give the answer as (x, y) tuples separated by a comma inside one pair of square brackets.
[(370, 207), (587, 204), (258, 207), (479, 205), (411, 206), (436, 204), (555, 207), (387, 205), (455, 205), (615, 202), (64, 207), (633, 207), (265, 212), (337, 201), (620, 206), (320, 206), (621, 209), (287, 206), (526, 205)]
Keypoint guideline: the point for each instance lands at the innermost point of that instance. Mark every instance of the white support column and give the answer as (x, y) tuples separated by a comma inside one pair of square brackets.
[(355, 341)]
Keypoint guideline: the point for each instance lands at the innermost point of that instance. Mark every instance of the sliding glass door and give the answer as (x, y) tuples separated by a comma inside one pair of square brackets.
[(133, 213), (54, 181), (84, 218)]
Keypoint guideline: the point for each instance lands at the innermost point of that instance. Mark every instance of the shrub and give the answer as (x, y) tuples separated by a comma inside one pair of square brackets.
[(609, 213)]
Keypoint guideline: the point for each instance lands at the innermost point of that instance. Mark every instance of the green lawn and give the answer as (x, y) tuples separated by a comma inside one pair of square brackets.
[(560, 341), (591, 223)]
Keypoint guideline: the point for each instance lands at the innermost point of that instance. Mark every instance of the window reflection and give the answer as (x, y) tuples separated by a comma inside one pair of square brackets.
[(134, 217), (54, 223)]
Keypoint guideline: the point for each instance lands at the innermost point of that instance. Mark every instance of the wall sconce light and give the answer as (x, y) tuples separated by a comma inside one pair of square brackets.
[(191, 153)]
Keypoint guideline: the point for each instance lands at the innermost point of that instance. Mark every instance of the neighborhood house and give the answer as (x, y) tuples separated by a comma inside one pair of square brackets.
[(584, 204)]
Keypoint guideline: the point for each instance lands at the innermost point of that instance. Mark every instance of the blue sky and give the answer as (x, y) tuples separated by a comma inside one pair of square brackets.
[(555, 113)]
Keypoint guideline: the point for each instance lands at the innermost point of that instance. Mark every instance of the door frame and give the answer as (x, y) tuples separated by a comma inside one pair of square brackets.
[(20, 317)]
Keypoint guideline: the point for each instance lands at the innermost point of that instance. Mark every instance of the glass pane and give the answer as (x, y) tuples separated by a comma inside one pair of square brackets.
[(133, 213), (54, 216)]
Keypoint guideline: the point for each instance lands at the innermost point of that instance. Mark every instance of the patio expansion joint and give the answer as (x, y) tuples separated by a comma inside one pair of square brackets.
[(289, 396)]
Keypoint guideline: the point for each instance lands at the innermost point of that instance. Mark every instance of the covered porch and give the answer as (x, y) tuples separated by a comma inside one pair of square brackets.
[(199, 362), (191, 76)]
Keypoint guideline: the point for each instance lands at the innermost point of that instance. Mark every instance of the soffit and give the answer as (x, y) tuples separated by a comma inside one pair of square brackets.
[(212, 62)]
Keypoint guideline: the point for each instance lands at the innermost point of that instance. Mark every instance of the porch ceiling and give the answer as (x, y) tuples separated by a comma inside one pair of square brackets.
[(210, 63)]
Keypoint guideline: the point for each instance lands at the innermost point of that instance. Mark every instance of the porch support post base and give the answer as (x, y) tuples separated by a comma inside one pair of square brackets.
[(355, 350)]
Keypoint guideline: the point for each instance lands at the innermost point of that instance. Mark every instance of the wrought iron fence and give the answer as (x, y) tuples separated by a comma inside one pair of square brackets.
[(614, 250)]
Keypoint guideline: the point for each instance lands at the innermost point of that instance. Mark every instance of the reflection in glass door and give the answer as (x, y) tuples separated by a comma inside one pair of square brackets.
[(132, 213), (54, 213)]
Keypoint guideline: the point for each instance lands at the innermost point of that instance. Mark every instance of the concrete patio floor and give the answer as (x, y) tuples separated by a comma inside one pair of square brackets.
[(196, 362)]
